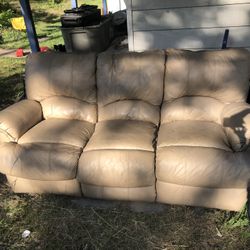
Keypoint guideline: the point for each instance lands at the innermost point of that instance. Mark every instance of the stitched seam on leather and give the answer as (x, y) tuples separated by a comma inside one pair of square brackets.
[(203, 187), (218, 124), (101, 186), (160, 147), (198, 95), (121, 149), (130, 99), (77, 170), (159, 124), (64, 96), (96, 91)]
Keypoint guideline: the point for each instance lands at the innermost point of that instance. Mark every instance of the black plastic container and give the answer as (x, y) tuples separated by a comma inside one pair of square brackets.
[(85, 15)]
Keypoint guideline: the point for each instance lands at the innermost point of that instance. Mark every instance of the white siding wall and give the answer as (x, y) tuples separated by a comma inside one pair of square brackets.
[(188, 24)]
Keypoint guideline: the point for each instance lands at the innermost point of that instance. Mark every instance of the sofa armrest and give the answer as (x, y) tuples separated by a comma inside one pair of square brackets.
[(236, 121), (18, 118)]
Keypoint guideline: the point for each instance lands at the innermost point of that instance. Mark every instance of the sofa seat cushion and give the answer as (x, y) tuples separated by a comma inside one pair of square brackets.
[(203, 167), (193, 134), (39, 161), (119, 155), (122, 134), (117, 168), (61, 131)]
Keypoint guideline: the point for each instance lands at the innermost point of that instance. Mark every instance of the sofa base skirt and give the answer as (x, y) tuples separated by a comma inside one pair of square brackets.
[(67, 187), (146, 194), (221, 198)]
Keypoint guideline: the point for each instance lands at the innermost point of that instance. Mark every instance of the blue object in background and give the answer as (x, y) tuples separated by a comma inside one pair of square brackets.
[(74, 4), (30, 27), (105, 8)]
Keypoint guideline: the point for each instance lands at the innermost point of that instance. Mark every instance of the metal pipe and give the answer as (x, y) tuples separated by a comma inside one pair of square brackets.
[(74, 4), (30, 27), (105, 8)]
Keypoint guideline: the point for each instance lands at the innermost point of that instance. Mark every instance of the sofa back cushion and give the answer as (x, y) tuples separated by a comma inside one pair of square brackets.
[(130, 85), (198, 84), (65, 84)]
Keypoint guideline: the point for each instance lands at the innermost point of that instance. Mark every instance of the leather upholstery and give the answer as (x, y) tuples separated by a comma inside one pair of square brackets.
[(203, 105), (61, 90), (70, 132), (130, 85), (222, 75), (122, 134), (68, 108), (171, 127), (118, 161), (39, 161), (192, 108), (18, 119), (61, 74), (20, 185), (65, 82)]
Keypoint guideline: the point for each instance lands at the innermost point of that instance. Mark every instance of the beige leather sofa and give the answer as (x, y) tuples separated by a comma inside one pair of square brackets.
[(167, 126)]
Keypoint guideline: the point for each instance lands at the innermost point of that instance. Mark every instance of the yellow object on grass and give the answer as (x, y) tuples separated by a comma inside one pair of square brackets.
[(18, 23)]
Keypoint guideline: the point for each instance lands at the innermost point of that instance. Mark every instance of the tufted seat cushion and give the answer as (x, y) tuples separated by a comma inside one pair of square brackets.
[(70, 132), (118, 161), (193, 134)]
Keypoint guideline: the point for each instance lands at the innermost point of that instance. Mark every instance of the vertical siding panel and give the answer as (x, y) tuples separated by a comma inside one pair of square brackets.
[(159, 27)]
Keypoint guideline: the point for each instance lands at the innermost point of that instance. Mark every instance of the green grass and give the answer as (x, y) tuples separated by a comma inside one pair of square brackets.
[(11, 80), (47, 21), (62, 223)]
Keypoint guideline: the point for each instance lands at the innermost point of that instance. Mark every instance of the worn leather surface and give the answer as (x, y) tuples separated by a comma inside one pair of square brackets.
[(120, 154), (65, 84), (20, 185), (130, 110), (203, 167), (115, 193), (69, 132), (202, 155), (69, 108), (222, 74), (122, 134), (134, 76), (117, 168), (193, 134), (203, 121), (39, 161), (192, 108), (118, 161), (233, 199), (18, 119), (61, 74)]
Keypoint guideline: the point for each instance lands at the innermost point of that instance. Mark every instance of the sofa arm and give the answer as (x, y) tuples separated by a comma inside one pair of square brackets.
[(236, 121), (18, 119)]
